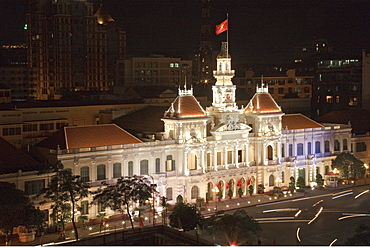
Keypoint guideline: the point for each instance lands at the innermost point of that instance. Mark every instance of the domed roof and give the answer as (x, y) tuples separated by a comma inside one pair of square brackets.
[(262, 102), (185, 106), (102, 15)]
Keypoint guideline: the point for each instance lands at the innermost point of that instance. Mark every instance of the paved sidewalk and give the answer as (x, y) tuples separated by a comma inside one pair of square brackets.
[(210, 208)]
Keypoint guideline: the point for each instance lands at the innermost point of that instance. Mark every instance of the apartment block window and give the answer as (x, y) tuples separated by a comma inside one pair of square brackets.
[(11, 131), (336, 145), (29, 127), (85, 174), (169, 194), (117, 170), (300, 149), (157, 165), (337, 99), (144, 167), (309, 151), (34, 187), (47, 126), (329, 99), (317, 147), (84, 207), (327, 146), (101, 172), (360, 147), (130, 167)]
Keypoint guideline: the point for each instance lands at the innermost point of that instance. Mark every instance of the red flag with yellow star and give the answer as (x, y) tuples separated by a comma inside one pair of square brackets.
[(222, 27)]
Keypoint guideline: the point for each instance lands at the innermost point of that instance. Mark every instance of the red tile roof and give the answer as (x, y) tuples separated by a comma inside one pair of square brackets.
[(185, 107), (298, 121), (89, 136), (264, 102)]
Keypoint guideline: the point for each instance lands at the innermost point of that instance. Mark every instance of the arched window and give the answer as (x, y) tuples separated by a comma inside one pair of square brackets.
[(300, 149), (194, 192), (336, 145), (101, 172), (317, 147), (271, 180), (269, 152), (117, 172), (85, 174), (144, 167), (157, 165), (192, 162), (169, 194), (309, 148), (130, 168)]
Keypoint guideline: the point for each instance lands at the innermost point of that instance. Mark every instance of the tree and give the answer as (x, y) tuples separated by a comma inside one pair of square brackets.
[(238, 228), (64, 191), (300, 182), (348, 166), (16, 209), (185, 216), (319, 180), (127, 191), (362, 236), (292, 184)]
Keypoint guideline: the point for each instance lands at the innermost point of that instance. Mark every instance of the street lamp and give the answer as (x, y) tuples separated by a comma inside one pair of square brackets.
[(366, 167)]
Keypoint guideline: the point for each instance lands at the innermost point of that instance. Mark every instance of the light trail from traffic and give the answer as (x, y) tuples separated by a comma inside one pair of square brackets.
[(361, 194)]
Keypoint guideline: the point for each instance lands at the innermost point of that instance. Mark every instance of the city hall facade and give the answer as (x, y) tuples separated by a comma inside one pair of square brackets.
[(223, 146)]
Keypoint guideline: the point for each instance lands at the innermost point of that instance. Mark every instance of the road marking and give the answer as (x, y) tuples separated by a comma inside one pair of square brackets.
[(281, 221)]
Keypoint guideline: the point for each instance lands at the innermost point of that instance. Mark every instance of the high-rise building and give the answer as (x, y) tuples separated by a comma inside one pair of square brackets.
[(336, 86), (310, 50), (204, 60), (72, 48)]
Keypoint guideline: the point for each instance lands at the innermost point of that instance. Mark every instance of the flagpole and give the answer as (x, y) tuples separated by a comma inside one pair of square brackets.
[(227, 35)]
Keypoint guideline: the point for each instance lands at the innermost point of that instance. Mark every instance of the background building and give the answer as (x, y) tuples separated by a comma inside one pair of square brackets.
[(71, 48)]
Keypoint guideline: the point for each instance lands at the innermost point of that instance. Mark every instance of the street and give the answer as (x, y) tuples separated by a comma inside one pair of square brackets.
[(313, 220)]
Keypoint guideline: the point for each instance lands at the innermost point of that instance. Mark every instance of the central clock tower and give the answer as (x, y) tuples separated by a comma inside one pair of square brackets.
[(226, 117)]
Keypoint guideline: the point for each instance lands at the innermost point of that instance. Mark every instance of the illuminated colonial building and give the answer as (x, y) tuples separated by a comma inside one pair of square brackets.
[(222, 146)]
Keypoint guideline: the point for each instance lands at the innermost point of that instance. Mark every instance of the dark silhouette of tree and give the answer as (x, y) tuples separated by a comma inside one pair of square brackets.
[(300, 182), (292, 184), (127, 191), (16, 209), (238, 228), (185, 216), (319, 180), (348, 166), (361, 237), (64, 191)]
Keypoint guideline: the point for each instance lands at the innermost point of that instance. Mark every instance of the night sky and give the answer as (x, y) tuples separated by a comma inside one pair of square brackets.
[(259, 30)]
